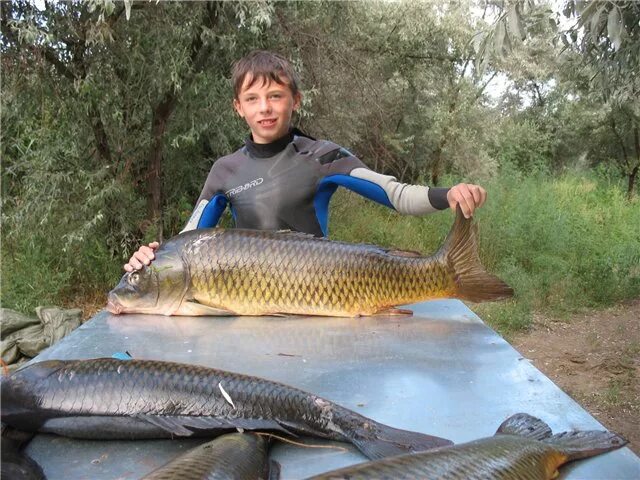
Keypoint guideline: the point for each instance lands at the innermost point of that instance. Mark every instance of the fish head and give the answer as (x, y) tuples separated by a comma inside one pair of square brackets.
[(157, 288)]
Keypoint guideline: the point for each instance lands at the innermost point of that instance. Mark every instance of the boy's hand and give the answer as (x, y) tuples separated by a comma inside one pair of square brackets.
[(143, 256), (468, 196)]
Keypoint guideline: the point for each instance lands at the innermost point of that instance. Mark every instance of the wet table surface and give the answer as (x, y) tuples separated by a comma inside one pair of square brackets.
[(441, 371)]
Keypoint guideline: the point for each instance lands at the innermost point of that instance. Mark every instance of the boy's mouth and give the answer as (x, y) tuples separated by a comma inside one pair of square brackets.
[(267, 122)]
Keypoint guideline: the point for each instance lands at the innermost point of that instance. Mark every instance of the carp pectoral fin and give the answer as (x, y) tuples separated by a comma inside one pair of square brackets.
[(193, 309), (393, 311)]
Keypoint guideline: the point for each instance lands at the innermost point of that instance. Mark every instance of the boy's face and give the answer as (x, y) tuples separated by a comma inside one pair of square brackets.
[(267, 107)]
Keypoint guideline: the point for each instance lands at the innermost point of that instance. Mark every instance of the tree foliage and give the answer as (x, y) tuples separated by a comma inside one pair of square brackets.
[(113, 112)]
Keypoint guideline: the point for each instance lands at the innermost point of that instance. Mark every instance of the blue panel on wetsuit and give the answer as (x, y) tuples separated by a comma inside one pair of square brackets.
[(212, 211), (321, 204), (328, 186)]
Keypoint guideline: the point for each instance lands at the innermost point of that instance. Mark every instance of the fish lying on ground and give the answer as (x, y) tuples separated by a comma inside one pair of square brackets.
[(251, 272), (236, 456), (109, 398), (522, 449)]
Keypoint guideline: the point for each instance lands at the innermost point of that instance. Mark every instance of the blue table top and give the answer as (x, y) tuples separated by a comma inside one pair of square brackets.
[(441, 371)]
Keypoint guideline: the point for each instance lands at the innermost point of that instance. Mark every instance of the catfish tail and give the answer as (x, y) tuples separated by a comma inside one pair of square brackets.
[(460, 254), (577, 445), (380, 441)]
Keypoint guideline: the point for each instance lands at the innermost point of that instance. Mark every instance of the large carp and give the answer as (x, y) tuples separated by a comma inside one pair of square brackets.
[(523, 448), (252, 272), (127, 399), (236, 456)]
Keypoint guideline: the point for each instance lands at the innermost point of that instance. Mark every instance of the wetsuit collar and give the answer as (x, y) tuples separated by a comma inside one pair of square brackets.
[(266, 150)]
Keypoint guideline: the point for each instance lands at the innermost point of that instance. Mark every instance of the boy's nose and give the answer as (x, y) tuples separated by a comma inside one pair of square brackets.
[(265, 105)]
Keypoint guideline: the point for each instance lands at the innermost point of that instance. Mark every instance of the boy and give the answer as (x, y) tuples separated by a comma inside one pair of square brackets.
[(283, 179)]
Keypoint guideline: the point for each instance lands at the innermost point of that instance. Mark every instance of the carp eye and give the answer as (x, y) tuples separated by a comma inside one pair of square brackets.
[(134, 278)]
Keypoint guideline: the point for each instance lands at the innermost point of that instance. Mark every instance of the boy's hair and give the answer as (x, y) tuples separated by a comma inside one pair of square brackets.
[(263, 65)]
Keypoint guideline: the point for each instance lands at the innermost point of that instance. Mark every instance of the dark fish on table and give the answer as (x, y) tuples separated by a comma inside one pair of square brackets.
[(109, 398), (522, 449), (251, 272), (14, 463), (235, 456)]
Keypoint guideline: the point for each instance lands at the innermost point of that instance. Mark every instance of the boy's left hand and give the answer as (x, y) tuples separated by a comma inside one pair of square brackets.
[(468, 196)]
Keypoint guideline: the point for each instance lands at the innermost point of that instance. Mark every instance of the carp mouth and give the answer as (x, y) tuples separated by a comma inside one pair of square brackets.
[(113, 307)]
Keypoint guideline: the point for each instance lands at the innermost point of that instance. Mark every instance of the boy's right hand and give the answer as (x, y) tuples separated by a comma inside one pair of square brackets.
[(143, 256)]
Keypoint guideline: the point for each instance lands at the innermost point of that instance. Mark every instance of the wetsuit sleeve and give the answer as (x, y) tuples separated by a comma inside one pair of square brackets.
[(405, 198), (344, 169), (210, 204)]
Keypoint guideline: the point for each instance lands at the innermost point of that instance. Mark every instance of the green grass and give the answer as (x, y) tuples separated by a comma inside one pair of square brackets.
[(564, 243)]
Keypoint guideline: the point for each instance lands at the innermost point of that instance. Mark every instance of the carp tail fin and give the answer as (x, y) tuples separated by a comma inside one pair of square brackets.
[(460, 253)]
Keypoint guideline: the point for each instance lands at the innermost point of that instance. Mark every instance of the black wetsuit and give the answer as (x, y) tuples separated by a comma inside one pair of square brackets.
[(287, 185)]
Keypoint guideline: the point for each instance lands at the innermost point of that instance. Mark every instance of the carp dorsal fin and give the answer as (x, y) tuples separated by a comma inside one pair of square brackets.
[(404, 253), (525, 425), (292, 233)]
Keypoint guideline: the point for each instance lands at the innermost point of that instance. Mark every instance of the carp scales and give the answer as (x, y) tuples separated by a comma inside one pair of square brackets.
[(523, 448), (106, 398), (251, 272), (235, 456)]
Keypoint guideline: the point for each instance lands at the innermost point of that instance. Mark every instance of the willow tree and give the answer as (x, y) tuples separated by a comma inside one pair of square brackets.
[(112, 113)]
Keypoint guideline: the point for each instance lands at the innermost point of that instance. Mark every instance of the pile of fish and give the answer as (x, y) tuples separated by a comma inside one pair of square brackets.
[(108, 398), (251, 272), (245, 272)]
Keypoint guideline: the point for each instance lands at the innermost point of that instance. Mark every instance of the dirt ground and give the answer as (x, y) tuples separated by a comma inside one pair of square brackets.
[(595, 358)]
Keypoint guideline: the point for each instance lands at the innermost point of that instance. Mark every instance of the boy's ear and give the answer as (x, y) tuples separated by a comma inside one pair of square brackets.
[(297, 101), (238, 107)]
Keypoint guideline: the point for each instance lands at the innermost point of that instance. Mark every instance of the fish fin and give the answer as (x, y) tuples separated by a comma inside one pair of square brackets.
[(384, 441), (19, 438), (405, 253), (293, 233), (184, 426), (194, 308), (577, 445), (16, 463), (393, 311), (460, 253), (273, 470), (525, 425)]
